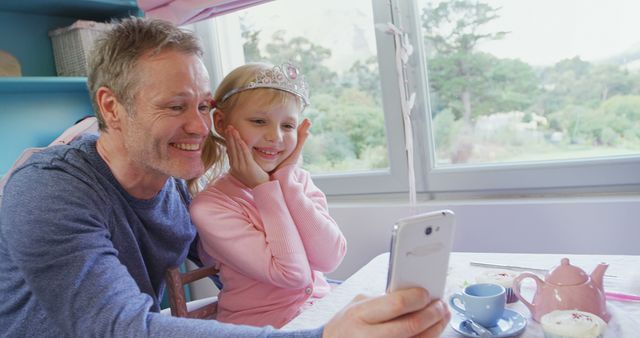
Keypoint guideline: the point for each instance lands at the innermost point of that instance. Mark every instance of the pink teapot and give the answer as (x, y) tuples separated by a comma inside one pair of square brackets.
[(566, 287)]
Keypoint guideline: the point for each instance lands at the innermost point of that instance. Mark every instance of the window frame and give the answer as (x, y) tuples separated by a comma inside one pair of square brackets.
[(390, 180), (559, 177), (394, 179), (619, 174)]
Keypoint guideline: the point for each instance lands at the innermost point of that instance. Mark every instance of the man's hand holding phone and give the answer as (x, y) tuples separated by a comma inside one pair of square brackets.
[(403, 313)]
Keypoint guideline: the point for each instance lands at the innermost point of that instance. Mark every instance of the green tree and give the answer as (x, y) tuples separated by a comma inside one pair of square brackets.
[(594, 103), (251, 39), (512, 85), (348, 123), (309, 56), (354, 114), (622, 114), (611, 80), (614, 120), (496, 85), (365, 76), (568, 82), (453, 29), (451, 88)]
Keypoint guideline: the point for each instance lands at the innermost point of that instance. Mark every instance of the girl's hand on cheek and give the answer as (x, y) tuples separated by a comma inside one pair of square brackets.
[(303, 133), (243, 166)]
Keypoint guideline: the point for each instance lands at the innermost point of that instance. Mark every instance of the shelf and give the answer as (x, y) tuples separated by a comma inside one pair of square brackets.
[(37, 106), (32, 20), (30, 84), (86, 9)]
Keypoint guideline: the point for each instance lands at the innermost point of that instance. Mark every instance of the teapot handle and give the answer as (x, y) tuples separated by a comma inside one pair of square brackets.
[(516, 288)]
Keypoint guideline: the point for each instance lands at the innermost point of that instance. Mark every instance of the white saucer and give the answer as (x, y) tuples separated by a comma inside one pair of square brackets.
[(511, 324)]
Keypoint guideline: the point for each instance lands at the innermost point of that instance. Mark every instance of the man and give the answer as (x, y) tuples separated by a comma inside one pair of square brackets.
[(88, 229)]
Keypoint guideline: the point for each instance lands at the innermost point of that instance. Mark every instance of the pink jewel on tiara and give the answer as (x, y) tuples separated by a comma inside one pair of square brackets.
[(279, 77), (292, 72)]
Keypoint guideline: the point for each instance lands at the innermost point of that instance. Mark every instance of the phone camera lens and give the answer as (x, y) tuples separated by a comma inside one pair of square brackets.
[(428, 231)]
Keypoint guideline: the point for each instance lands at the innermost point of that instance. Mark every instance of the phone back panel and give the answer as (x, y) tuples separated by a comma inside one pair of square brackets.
[(420, 248)]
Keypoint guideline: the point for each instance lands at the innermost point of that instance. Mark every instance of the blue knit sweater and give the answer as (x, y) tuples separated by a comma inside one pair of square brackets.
[(80, 257)]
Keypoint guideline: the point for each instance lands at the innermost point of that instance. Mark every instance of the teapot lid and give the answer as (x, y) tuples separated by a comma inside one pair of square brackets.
[(566, 274)]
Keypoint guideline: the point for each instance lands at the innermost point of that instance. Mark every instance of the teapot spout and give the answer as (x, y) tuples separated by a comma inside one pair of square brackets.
[(597, 276)]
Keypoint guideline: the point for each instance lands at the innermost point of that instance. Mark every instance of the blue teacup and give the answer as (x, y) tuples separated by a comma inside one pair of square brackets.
[(484, 303)]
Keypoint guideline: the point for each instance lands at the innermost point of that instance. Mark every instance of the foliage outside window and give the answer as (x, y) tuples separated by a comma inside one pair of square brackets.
[(348, 127), (521, 96), (491, 108)]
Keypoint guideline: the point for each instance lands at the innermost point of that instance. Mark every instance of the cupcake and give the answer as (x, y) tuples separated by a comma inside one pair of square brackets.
[(572, 324), (500, 277)]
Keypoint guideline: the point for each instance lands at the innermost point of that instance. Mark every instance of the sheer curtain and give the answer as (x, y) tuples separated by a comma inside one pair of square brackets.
[(181, 12)]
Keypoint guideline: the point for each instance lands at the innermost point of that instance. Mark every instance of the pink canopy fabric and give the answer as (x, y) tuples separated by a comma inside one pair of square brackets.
[(181, 12)]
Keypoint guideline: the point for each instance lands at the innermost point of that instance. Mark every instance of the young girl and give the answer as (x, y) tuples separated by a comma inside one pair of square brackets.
[(264, 224)]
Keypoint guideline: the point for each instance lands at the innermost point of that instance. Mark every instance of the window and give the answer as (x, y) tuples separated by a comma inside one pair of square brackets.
[(532, 95), (515, 97), (339, 50)]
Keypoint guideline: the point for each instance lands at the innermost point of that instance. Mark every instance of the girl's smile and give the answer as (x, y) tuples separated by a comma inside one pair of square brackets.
[(269, 131), (267, 153)]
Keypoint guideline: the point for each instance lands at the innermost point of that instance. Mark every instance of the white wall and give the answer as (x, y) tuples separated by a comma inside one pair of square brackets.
[(606, 225)]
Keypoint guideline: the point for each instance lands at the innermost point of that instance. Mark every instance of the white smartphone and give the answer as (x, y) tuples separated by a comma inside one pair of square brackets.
[(420, 248)]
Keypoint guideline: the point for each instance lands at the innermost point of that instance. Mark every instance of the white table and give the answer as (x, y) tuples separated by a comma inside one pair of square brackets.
[(371, 280)]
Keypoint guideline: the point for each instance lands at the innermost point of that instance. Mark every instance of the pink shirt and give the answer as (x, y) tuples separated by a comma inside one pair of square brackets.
[(271, 245)]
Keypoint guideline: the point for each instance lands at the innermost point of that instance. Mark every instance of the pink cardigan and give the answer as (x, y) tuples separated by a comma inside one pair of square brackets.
[(271, 245)]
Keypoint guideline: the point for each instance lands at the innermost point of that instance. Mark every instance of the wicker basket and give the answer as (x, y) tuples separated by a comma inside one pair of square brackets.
[(71, 46)]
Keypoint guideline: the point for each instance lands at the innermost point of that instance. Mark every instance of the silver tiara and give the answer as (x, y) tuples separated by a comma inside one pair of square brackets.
[(284, 77)]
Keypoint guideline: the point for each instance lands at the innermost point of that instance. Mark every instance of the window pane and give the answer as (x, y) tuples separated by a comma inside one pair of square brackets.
[(336, 49), (539, 80)]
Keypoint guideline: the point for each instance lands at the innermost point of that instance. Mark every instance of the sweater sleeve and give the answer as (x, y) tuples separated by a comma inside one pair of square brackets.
[(323, 241), (229, 228), (53, 228)]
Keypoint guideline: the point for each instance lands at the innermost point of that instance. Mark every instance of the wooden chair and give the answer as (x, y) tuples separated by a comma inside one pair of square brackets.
[(175, 285)]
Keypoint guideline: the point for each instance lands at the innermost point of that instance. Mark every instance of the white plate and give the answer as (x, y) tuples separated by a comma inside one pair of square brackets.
[(511, 324)]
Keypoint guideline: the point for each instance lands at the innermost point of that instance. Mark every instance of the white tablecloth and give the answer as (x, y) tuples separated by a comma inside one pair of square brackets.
[(371, 280)]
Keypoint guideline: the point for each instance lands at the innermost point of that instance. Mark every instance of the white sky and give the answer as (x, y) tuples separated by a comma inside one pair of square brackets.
[(542, 31), (333, 24), (545, 31)]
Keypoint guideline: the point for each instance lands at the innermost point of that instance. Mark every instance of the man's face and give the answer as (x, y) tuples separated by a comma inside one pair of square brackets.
[(170, 121)]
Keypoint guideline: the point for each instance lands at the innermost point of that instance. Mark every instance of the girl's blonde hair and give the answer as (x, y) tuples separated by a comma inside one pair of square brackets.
[(213, 151)]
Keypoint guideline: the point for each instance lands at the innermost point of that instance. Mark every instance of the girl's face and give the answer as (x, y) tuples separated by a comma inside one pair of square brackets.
[(270, 131)]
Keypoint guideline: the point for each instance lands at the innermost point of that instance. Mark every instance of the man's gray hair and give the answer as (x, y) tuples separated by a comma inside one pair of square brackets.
[(113, 59)]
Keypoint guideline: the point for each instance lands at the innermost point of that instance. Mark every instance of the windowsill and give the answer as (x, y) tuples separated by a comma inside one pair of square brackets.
[(402, 199)]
